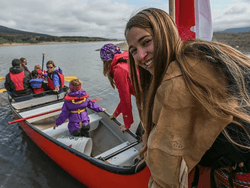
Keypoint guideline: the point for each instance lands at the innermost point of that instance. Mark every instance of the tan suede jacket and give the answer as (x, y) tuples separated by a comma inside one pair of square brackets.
[(184, 130)]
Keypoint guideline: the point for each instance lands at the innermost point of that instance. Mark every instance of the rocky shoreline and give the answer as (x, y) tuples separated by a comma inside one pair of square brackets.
[(239, 41)]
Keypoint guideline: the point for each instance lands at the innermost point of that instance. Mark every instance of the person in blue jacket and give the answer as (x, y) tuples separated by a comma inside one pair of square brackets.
[(55, 77)]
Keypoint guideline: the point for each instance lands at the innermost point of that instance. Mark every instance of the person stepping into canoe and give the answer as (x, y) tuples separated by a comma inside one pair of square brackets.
[(74, 109), (116, 68)]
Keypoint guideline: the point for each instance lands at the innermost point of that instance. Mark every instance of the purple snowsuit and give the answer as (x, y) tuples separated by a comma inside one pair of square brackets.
[(75, 118)]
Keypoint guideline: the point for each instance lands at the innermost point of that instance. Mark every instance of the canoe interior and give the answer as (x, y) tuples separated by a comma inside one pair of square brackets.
[(105, 133)]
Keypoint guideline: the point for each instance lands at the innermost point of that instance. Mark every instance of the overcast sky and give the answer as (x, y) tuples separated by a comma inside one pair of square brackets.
[(103, 18)]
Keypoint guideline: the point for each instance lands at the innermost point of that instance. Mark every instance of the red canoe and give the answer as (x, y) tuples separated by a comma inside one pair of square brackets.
[(104, 160)]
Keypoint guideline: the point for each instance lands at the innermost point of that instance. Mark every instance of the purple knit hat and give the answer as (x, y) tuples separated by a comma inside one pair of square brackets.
[(108, 51)]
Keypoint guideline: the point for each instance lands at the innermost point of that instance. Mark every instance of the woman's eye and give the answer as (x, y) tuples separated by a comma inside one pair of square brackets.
[(133, 51), (146, 42)]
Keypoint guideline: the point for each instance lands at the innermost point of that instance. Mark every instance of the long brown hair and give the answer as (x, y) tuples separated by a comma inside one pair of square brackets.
[(106, 68), (169, 47), (51, 62)]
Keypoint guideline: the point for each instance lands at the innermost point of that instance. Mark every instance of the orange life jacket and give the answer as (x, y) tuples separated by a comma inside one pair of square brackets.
[(71, 98)]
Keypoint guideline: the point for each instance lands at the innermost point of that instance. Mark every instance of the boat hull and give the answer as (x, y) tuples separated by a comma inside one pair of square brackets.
[(83, 170)]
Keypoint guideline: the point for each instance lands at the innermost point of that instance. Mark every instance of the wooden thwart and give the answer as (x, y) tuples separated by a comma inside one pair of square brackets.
[(37, 101)]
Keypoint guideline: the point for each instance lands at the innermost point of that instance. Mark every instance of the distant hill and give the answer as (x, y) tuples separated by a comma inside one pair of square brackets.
[(236, 30), (6, 30), (9, 36)]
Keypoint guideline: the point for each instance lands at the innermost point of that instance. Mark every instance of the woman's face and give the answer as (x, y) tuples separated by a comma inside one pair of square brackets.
[(141, 46), (50, 68), (24, 63)]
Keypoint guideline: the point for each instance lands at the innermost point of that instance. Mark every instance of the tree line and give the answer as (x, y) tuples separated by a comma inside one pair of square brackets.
[(15, 38)]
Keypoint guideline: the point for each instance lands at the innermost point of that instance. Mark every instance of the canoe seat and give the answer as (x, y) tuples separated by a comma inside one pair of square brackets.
[(124, 158), (37, 101), (42, 110), (63, 129)]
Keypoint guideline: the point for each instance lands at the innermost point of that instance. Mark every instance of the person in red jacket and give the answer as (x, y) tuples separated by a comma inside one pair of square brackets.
[(116, 68), (17, 82)]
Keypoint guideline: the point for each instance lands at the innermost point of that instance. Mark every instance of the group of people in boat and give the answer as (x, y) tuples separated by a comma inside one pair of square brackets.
[(21, 84), (192, 97)]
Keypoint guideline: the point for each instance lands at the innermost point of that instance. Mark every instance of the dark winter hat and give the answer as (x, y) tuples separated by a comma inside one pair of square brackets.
[(16, 62), (34, 72), (108, 51)]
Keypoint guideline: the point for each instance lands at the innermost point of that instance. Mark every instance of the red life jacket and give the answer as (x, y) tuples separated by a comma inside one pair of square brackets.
[(40, 73), (17, 79), (70, 98), (61, 78), (38, 89)]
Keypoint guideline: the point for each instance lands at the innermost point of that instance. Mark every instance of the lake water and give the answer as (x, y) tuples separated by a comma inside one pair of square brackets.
[(22, 163)]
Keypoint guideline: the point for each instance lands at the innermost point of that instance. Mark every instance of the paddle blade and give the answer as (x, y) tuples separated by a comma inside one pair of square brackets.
[(97, 99), (2, 78), (3, 90), (69, 78)]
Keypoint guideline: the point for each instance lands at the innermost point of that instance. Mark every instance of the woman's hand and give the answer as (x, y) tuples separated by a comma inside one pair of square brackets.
[(112, 117), (56, 89), (103, 109), (123, 129)]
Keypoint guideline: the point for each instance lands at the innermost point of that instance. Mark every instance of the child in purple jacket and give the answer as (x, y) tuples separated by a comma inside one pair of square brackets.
[(74, 109)]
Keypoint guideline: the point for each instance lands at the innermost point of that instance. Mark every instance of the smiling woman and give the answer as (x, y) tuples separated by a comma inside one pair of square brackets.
[(193, 103), (141, 47)]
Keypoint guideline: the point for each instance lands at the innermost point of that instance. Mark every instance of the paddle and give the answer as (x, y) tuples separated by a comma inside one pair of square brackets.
[(3, 90), (2, 78), (23, 119), (69, 78), (43, 60)]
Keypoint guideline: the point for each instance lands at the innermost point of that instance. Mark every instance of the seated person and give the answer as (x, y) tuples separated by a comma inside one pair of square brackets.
[(39, 70), (37, 83), (17, 82), (55, 77), (74, 109), (24, 64)]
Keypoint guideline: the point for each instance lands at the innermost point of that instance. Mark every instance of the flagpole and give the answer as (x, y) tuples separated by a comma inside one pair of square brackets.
[(172, 8)]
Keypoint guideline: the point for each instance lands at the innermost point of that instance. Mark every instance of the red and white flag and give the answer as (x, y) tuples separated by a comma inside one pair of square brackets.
[(193, 19)]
